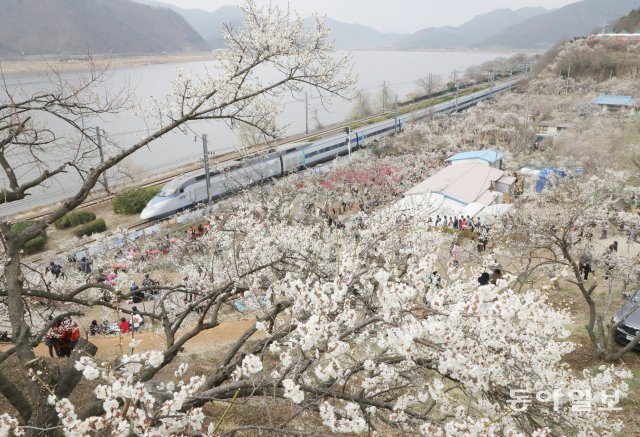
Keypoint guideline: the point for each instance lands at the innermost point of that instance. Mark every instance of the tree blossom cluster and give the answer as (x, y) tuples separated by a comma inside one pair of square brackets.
[(366, 332), (369, 326), (129, 406), (554, 234)]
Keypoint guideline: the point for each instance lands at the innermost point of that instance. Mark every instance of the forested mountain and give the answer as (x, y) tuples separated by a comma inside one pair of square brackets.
[(72, 27), (208, 24), (357, 36), (346, 35), (468, 34), (629, 23), (577, 19), (75, 27)]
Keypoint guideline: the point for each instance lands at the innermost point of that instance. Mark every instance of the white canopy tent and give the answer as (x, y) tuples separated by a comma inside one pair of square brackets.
[(472, 209), (493, 211)]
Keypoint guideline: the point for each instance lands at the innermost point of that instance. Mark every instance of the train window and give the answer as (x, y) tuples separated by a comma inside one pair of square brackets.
[(168, 192)]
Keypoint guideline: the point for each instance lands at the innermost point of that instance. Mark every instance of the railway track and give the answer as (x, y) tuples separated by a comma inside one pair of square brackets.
[(333, 129), (141, 225)]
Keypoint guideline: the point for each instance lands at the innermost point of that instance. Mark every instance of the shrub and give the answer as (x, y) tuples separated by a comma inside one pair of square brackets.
[(133, 201), (464, 234), (468, 234), (73, 219), (35, 244), (91, 228)]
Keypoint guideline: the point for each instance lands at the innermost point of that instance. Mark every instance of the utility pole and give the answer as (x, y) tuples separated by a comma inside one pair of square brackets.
[(99, 143), (526, 120), (491, 90), (568, 77), (384, 95), (395, 125), (349, 139), (206, 166), (430, 84), (455, 85), (306, 113)]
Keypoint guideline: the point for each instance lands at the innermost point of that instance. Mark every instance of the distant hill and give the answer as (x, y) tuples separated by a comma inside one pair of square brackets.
[(467, 35), (577, 19), (357, 36), (208, 24), (346, 36), (76, 27), (629, 23)]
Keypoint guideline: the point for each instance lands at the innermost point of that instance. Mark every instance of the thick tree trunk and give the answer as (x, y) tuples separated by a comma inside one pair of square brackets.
[(44, 417), (20, 329), (61, 378), (21, 333)]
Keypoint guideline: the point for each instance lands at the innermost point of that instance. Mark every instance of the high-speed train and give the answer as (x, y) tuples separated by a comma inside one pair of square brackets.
[(228, 177)]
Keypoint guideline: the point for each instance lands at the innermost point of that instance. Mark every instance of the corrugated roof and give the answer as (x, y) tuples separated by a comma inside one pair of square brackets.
[(491, 156), (488, 197), (507, 180), (613, 100), (463, 183), (472, 209)]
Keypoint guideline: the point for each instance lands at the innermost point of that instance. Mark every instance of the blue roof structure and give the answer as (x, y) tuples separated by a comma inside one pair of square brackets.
[(613, 100), (491, 156)]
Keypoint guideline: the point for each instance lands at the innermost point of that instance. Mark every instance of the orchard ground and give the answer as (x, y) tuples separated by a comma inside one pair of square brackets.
[(473, 130)]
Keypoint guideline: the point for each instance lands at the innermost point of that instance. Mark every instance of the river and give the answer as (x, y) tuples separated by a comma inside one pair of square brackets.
[(399, 70)]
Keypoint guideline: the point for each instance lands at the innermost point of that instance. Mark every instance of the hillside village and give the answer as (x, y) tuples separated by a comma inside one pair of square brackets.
[(473, 266)]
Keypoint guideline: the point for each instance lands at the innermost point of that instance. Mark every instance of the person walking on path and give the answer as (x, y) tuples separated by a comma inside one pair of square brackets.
[(85, 265), (55, 269), (610, 256), (455, 254), (585, 263)]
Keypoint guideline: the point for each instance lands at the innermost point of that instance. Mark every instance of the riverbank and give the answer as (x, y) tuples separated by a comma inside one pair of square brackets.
[(81, 63), (43, 64)]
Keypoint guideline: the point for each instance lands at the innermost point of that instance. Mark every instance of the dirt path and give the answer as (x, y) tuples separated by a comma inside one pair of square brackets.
[(206, 342)]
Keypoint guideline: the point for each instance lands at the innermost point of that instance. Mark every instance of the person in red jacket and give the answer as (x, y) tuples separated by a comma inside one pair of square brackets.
[(69, 334), (124, 326)]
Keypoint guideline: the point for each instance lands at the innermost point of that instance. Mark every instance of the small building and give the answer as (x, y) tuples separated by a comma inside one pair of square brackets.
[(468, 185), (610, 103), (492, 158), (550, 130)]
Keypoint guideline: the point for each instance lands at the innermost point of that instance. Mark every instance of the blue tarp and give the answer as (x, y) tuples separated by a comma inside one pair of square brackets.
[(551, 174), (491, 156), (613, 100), (250, 303)]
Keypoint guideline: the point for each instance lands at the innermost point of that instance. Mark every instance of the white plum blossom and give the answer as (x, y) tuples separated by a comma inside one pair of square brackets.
[(9, 426), (251, 365), (292, 391), (369, 323)]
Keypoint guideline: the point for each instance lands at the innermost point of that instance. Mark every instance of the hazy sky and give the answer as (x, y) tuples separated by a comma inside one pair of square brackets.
[(390, 15)]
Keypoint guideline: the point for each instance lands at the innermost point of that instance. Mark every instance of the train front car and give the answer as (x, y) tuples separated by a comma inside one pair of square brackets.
[(169, 200)]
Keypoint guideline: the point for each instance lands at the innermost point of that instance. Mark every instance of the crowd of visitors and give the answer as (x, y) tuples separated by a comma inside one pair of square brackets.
[(459, 223), (122, 326)]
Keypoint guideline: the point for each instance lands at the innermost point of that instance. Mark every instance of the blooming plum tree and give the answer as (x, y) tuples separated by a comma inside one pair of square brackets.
[(552, 231), (353, 324), (53, 122)]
